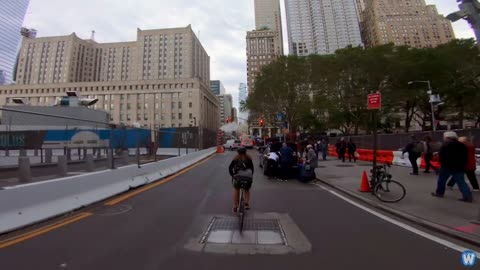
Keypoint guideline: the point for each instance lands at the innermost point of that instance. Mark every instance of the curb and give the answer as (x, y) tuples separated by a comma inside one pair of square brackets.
[(470, 239)]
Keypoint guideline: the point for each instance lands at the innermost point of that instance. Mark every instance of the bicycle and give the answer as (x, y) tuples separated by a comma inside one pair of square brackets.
[(243, 183), (384, 188)]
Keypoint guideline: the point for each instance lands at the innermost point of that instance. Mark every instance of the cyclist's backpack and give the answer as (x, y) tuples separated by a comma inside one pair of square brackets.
[(242, 169)]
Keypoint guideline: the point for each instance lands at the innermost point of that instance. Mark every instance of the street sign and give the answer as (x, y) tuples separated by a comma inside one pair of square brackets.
[(374, 101)]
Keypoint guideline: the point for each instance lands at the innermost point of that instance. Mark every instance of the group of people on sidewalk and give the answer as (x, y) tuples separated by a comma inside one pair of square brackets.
[(349, 148), (457, 158)]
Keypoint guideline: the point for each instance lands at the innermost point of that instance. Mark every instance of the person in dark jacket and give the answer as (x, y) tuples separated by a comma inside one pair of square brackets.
[(471, 165), (453, 160), (413, 154), (286, 155), (351, 149), (324, 149), (341, 149), (241, 166)]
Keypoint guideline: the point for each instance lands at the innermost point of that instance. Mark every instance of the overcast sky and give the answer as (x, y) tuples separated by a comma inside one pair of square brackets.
[(220, 25)]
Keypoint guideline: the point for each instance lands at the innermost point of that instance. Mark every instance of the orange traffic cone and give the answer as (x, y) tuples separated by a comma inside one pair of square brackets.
[(364, 186), (220, 149)]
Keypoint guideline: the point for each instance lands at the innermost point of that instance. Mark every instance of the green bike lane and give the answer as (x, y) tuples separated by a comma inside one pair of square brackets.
[(151, 229)]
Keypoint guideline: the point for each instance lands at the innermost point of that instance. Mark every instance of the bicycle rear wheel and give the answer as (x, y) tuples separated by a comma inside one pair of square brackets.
[(241, 211), (389, 191)]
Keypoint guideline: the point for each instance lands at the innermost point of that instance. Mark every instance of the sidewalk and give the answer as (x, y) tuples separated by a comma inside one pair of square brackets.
[(447, 215)]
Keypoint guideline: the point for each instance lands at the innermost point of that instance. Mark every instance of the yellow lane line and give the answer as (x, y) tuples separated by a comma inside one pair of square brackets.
[(40, 231), (155, 184)]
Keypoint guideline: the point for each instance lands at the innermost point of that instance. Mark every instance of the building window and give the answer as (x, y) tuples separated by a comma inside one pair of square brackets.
[(190, 104), (173, 116), (173, 105), (190, 116), (180, 116), (179, 105)]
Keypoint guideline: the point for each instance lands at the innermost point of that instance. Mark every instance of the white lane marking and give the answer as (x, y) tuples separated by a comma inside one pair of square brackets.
[(403, 225)]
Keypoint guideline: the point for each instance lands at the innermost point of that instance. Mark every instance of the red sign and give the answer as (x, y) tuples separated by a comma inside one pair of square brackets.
[(374, 101)]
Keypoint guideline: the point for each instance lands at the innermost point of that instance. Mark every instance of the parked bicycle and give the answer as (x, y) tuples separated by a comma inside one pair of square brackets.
[(384, 188)]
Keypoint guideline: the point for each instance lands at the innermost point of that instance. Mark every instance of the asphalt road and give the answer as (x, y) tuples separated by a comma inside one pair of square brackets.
[(163, 219)]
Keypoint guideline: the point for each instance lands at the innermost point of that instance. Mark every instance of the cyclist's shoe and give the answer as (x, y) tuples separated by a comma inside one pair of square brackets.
[(235, 210), (247, 206)]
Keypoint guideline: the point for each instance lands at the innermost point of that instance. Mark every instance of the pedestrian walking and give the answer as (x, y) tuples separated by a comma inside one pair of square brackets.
[(414, 150), (471, 165), (453, 160), (341, 149), (324, 149), (428, 153), (351, 149)]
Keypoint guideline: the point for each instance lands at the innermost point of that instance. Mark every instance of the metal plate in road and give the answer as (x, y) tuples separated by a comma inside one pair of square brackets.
[(250, 224)]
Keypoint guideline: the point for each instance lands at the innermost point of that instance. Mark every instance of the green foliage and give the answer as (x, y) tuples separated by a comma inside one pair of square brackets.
[(316, 93)]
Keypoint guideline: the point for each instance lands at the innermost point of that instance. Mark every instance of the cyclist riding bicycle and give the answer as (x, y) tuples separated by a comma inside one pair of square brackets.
[(241, 169)]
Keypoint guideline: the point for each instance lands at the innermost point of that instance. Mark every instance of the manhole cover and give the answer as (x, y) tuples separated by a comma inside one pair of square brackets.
[(344, 165), (225, 230), (263, 233), (250, 224), (113, 210)]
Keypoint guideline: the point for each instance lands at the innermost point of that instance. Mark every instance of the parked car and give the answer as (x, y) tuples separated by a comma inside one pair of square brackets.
[(232, 144), (275, 147)]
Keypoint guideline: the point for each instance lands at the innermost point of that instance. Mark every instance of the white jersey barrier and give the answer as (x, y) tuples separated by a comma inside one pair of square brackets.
[(24, 205)]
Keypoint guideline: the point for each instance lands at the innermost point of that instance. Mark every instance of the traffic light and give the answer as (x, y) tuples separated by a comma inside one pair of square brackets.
[(261, 122)]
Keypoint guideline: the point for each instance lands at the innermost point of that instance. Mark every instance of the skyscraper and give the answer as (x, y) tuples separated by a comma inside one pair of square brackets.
[(321, 26), (268, 16), (217, 87), (404, 22), (12, 14)]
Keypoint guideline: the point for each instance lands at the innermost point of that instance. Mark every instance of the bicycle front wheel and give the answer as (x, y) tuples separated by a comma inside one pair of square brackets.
[(241, 211), (389, 191)]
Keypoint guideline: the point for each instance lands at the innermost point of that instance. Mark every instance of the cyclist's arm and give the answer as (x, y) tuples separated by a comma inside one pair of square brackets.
[(231, 167), (250, 165)]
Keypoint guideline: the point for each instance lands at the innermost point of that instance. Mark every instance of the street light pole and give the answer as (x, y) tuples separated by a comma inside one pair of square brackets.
[(430, 93)]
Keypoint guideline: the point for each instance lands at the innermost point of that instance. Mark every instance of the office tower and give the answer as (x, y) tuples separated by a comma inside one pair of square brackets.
[(321, 26), (226, 105), (12, 14), (261, 51), (160, 80), (268, 16), (360, 8), (404, 22), (217, 87)]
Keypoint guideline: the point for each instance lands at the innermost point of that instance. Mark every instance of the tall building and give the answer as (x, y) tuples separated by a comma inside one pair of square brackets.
[(226, 105), (268, 16), (160, 80), (261, 50), (217, 87), (11, 20), (404, 22), (321, 26), (360, 8)]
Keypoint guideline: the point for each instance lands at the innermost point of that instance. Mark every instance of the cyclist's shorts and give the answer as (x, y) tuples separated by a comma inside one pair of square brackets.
[(242, 182)]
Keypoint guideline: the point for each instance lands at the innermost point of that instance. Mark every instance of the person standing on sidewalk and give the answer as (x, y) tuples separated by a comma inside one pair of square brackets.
[(324, 149), (453, 159), (312, 157), (351, 148), (342, 149), (471, 165), (428, 153), (414, 150)]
